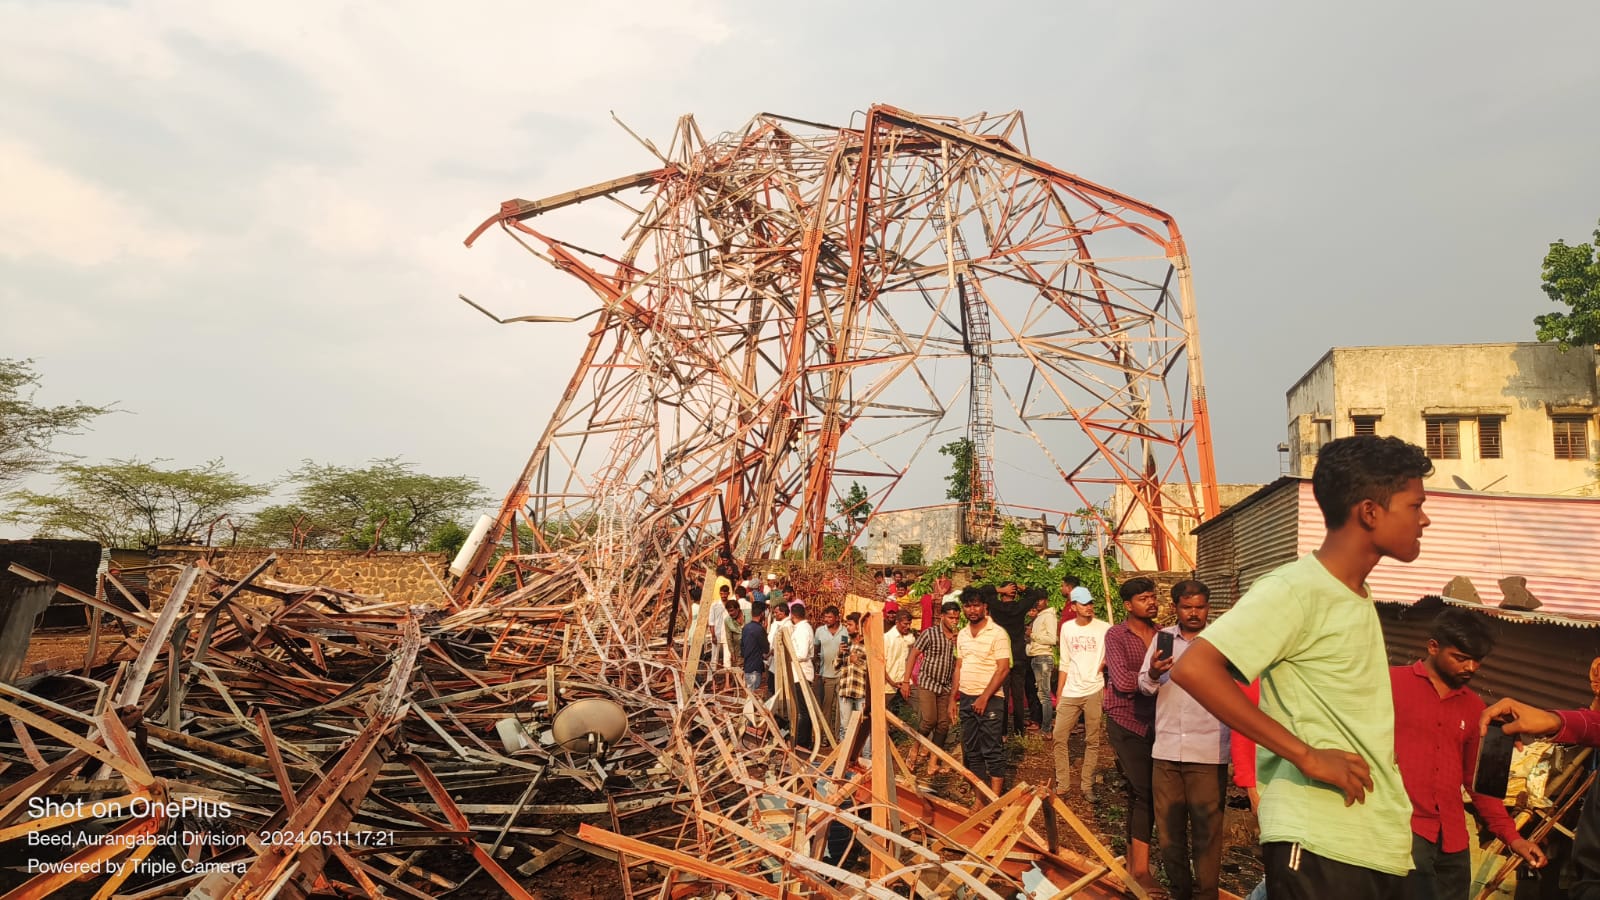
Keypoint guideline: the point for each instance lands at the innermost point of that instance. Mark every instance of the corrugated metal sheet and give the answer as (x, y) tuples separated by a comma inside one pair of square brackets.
[(1554, 542), (1265, 536), (1535, 660), (1215, 565)]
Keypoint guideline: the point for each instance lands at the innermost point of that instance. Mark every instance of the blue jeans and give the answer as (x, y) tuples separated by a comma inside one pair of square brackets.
[(849, 706), (755, 681), (1044, 677)]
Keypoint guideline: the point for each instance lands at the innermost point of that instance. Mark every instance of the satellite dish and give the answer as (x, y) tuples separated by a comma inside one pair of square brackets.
[(589, 725), (1461, 483)]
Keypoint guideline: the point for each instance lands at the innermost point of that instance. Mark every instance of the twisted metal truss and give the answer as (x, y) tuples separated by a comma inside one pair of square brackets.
[(795, 308)]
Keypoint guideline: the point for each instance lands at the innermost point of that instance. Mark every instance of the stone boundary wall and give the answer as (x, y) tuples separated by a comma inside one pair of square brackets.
[(384, 575)]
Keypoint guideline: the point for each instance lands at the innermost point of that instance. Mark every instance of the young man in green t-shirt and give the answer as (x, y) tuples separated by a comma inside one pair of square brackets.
[(1335, 817)]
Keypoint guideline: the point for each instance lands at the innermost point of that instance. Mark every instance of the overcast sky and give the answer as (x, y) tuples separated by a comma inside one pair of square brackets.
[(242, 222)]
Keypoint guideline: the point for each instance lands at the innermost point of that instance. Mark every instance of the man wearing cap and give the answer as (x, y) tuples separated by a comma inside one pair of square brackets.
[(983, 660), (1080, 686)]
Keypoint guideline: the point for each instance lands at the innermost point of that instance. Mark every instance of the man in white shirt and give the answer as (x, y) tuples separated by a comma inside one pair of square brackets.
[(802, 641), (716, 622), (777, 629), (1080, 687), (897, 642), (1043, 633)]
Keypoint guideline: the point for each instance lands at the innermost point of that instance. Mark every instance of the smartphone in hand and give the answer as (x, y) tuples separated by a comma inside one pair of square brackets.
[(1164, 644), (1494, 762)]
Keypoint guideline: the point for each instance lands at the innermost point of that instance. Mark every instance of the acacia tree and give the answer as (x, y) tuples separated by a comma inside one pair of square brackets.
[(385, 505), (27, 428), (1571, 275), (129, 503)]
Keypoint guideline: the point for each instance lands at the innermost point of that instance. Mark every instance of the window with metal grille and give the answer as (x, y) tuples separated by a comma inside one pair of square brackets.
[(1571, 436), (1444, 438), (1489, 437), (1365, 425)]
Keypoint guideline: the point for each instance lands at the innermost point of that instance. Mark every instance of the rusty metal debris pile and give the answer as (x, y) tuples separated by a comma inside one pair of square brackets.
[(256, 739)]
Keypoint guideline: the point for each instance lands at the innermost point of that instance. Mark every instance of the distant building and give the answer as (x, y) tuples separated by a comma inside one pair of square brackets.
[(933, 532), (1515, 418)]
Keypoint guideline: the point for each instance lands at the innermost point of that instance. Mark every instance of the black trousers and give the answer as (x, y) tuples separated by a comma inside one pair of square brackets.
[(1017, 690), (801, 727), (1134, 762), (1585, 863), (983, 749), (1295, 873), (1438, 875)]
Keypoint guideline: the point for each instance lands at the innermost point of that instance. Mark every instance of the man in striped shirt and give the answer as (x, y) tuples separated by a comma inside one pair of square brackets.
[(930, 693)]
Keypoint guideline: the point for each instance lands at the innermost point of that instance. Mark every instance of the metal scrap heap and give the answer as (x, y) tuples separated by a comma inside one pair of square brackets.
[(256, 739)]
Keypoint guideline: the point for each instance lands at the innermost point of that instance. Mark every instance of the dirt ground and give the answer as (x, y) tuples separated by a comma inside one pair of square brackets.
[(64, 650), (1033, 761)]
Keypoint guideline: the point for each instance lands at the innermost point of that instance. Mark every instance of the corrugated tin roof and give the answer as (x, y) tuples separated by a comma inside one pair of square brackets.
[(1228, 514), (1517, 616), (1554, 542)]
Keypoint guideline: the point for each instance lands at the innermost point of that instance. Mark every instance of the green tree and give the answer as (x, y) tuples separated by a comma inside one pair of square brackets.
[(26, 428), (386, 505), (836, 548), (129, 503), (1571, 275), (853, 505), (1013, 559), (960, 477), (447, 538)]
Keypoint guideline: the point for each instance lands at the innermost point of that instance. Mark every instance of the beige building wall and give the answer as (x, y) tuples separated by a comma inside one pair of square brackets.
[(1523, 386), (1138, 540), (936, 528)]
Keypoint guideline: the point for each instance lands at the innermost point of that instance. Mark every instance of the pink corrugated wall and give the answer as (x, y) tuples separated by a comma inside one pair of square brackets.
[(1552, 541)]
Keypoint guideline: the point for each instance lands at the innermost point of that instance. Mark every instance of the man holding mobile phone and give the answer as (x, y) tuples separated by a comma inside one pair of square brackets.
[(1567, 726), (1190, 770), (1436, 747)]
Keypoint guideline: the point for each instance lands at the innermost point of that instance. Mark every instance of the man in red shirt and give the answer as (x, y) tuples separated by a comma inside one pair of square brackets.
[(1436, 747), (1567, 726)]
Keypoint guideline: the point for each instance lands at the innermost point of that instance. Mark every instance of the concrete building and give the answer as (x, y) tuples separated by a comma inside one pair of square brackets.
[(1515, 418), (935, 532)]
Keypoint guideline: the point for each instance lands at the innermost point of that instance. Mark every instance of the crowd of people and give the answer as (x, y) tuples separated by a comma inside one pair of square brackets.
[(1359, 773)]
